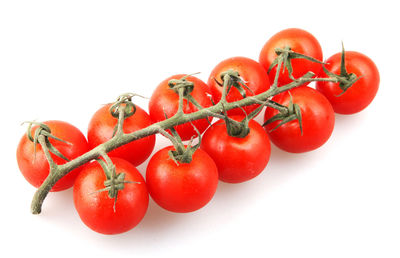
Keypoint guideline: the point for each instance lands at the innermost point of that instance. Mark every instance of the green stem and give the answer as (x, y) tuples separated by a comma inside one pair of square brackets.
[(178, 147), (271, 104), (227, 81), (120, 123), (277, 73), (59, 171), (105, 164), (180, 105), (43, 143), (334, 80)]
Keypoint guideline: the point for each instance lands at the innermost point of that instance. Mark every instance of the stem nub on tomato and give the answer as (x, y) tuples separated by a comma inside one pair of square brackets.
[(164, 102), (299, 41), (359, 95), (251, 73), (183, 187), (102, 128), (317, 115), (238, 158), (102, 213), (32, 160)]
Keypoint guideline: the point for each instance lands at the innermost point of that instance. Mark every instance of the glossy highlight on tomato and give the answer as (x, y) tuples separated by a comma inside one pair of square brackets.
[(96, 208), (165, 101), (361, 93), (185, 187), (252, 73), (318, 120), (35, 167), (101, 128), (299, 41), (238, 159)]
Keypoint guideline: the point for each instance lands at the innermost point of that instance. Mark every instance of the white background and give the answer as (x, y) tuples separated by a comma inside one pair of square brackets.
[(63, 59)]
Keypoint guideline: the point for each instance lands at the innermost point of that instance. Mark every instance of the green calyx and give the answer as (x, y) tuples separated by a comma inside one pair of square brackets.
[(287, 114), (176, 84), (184, 87), (237, 129), (114, 182), (182, 153), (231, 78), (285, 55), (124, 101), (241, 129), (345, 79), (44, 130)]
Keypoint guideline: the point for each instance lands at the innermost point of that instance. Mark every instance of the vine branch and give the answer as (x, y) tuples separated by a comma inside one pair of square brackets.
[(120, 139), (124, 108)]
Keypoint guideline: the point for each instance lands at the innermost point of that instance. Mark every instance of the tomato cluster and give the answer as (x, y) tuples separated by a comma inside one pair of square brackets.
[(110, 194)]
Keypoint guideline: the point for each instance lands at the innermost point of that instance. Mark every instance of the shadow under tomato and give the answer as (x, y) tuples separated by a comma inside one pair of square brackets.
[(280, 157), (158, 219), (281, 167)]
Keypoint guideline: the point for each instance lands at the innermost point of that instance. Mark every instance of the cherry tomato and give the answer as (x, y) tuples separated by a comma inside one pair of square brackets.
[(252, 73), (101, 128), (299, 41), (35, 167), (318, 119), (165, 101), (185, 187), (361, 93), (96, 208), (237, 159)]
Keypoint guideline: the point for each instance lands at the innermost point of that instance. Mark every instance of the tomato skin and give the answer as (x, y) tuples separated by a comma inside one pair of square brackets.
[(164, 99), (36, 169), (238, 159), (96, 209), (299, 41), (101, 128), (318, 119), (250, 71), (361, 93), (184, 188)]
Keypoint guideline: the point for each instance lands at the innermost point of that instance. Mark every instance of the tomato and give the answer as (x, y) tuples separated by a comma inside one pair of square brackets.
[(299, 41), (318, 119), (237, 159), (185, 187), (165, 101), (101, 129), (361, 93), (35, 167), (252, 73), (96, 208)]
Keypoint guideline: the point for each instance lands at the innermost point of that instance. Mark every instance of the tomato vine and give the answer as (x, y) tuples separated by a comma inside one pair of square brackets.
[(182, 87)]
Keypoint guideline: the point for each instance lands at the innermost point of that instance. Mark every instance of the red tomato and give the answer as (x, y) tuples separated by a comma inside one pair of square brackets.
[(101, 128), (164, 101), (252, 73), (361, 93), (36, 168), (185, 187), (318, 120), (96, 208), (237, 159), (299, 41)]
